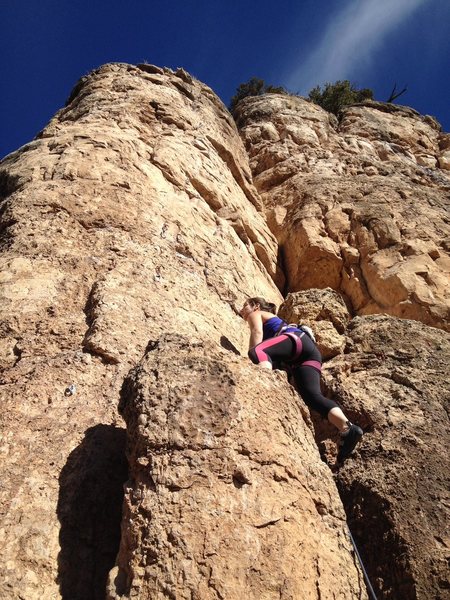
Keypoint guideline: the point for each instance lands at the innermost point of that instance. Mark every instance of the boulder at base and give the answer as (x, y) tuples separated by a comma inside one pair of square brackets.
[(227, 496)]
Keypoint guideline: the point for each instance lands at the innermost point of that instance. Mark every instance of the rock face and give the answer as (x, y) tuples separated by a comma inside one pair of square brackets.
[(322, 310), (209, 441), (394, 382), (358, 205), (133, 213), (391, 377)]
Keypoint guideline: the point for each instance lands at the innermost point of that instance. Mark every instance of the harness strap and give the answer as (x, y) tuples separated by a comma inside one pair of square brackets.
[(280, 330), (311, 363), (298, 350), (297, 337), (298, 344), (283, 327)]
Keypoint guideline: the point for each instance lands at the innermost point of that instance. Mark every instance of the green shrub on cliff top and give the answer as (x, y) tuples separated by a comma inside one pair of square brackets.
[(334, 96), (253, 87)]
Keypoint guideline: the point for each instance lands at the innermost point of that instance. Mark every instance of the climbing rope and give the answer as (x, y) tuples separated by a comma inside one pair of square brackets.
[(366, 577)]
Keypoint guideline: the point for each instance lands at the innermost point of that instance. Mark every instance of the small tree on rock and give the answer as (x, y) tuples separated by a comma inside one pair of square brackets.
[(334, 96), (253, 87)]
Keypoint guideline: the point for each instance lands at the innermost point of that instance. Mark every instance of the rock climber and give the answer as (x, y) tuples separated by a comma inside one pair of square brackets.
[(275, 344)]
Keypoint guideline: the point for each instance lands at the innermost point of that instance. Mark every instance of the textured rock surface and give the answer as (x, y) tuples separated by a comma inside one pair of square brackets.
[(394, 382), (227, 496), (358, 205), (322, 310), (134, 213), (110, 234)]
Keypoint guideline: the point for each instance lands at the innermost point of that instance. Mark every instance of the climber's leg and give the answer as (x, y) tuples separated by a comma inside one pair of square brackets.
[(307, 381), (338, 419), (277, 349)]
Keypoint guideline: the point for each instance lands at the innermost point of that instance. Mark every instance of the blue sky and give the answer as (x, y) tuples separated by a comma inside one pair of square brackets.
[(47, 45)]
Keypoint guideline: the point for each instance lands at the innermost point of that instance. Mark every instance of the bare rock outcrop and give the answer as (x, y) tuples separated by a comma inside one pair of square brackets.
[(325, 312), (358, 205), (393, 380), (226, 497), (131, 214)]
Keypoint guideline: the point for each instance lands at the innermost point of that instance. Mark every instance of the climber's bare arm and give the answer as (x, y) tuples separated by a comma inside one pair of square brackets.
[(254, 321)]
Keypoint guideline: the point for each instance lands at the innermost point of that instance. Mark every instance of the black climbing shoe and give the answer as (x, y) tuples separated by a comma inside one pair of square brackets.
[(349, 440)]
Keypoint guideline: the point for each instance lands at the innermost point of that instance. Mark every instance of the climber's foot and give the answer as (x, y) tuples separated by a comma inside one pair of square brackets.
[(349, 440)]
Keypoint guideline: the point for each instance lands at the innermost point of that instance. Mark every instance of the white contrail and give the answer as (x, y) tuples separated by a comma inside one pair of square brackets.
[(350, 40)]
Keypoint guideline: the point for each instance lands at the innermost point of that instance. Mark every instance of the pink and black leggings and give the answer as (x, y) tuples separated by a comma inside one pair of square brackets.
[(305, 371)]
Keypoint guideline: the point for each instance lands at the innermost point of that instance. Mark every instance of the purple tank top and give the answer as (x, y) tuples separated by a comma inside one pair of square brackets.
[(273, 326)]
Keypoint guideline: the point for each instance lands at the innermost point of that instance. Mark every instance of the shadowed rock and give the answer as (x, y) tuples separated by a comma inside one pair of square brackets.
[(394, 382), (90, 512)]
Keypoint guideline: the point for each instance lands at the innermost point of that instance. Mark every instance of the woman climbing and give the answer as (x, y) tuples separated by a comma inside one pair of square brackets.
[(274, 342)]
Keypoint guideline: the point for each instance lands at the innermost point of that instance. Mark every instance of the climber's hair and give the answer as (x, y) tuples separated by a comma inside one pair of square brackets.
[(264, 305)]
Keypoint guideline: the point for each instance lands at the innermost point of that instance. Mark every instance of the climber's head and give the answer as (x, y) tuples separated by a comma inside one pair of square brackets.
[(256, 303)]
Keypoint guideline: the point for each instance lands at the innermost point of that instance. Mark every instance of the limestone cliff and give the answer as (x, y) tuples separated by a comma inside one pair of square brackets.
[(359, 205), (132, 228), (133, 213)]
